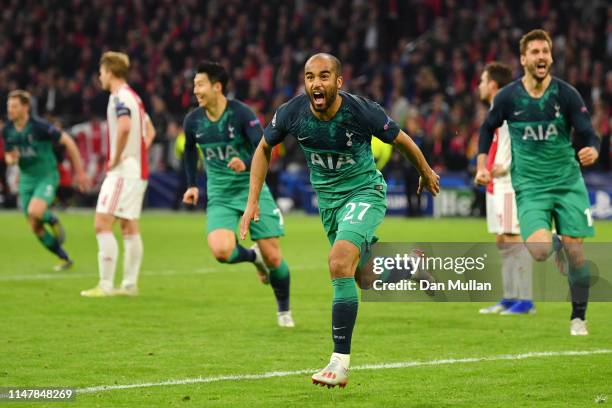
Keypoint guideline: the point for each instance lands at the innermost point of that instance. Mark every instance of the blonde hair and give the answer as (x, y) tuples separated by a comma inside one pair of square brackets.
[(23, 96), (117, 63)]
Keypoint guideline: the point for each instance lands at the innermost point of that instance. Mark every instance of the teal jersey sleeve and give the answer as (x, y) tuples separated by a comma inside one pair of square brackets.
[(578, 115), (279, 127), (495, 118), (191, 152), (250, 125), (376, 120), (8, 146), (47, 131)]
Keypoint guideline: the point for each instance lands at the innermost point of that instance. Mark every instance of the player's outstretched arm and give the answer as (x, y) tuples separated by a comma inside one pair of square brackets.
[(428, 179), (82, 181), (259, 169)]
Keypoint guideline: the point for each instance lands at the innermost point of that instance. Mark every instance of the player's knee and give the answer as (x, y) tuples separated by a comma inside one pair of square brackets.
[(272, 259), (339, 266), (539, 254), (575, 256), (222, 253)]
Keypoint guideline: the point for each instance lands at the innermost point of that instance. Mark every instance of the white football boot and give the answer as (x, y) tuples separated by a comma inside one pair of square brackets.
[(336, 372), (285, 319), (578, 327)]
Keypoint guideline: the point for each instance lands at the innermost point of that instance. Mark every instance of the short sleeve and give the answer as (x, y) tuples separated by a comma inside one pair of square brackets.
[(49, 131), (379, 123), (277, 129), (121, 106)]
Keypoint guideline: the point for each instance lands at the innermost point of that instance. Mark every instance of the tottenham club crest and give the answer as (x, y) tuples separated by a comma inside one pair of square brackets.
[(557, 108), (349, 136), (230, 129)]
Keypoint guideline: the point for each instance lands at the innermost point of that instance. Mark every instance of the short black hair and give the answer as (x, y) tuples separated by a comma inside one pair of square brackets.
[(215, 72), (500, 73), (333, 58)]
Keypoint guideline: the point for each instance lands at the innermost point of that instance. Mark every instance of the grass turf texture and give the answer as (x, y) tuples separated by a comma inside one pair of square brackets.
[(196, 318)]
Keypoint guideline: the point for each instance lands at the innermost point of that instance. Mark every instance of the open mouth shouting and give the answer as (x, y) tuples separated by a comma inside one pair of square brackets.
[(541, 69), (318, 99)]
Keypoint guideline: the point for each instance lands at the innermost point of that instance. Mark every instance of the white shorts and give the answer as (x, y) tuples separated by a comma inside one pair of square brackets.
[(121, 197), (501, 212)]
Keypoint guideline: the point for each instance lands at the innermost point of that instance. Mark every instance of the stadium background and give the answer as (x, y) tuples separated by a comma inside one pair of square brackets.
[(420, 59)]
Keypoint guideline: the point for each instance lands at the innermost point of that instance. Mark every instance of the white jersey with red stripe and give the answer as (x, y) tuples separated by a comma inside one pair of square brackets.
[(500, 155), (133, 162)]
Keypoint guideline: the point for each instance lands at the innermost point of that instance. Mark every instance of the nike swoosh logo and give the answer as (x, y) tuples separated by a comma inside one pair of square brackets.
[(338, 328), (198, 135), (303, 138), (516, 113)]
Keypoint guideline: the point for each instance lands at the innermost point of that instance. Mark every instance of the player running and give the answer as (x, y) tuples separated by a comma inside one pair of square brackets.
[(334, 129), (123, 188), (29, 142), (540, 111), (227, 132), (502, 220)]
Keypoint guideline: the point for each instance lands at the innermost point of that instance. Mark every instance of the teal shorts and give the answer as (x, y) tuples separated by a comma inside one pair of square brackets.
[(568, 206), (357, 218), (43, 188), (227, 215)]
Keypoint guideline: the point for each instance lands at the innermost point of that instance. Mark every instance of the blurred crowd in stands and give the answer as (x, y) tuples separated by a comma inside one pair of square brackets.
[(421, 59)]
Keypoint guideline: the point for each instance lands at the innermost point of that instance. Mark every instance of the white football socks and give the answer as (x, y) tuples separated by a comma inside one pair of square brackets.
[(523, 273), (132, 258), (509, 263), (108, 251)]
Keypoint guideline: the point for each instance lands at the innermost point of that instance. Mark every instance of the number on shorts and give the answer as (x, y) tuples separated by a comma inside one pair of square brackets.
[(278, 212), (587, 212), (351, 210)]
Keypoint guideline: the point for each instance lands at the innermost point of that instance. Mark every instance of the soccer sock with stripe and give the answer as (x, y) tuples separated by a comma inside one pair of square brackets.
[(49, 242), (579, 280), (241, 254), (279, 280), (49, 218), (132, 259), (108, 251), (344, 313)]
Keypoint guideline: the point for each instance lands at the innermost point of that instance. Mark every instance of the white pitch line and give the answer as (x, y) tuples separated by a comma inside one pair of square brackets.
[(169, 272), (382, 366)]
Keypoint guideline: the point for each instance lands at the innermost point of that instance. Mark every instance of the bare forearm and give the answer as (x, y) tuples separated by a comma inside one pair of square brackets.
[(412, 152), (259, 169), (73, 153), (122, 138)]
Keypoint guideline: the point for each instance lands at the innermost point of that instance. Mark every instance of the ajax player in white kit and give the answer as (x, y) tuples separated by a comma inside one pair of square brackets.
[(122, 192), (502, 218)]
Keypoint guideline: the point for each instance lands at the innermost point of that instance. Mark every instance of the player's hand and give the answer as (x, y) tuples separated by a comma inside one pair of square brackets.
[(191, 196), (82, 181), (588, 156), (237, 165), (251, 213), (498, 170), (429, 181), (483, 177), (11, 158)]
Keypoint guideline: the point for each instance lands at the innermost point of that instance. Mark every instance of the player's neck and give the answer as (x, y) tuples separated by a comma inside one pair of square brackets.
[(534, 87), (215, 110), (115, 84), (21, 123), (330, 112)]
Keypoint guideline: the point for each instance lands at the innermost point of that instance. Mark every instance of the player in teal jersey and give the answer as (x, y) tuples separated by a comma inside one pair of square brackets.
[(540, 111), (334, 129), (29, 143), (227, 131)]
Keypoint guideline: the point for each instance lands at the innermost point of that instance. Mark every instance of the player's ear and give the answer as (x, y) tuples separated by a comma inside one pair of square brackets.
[(339, 81), (522, 60)]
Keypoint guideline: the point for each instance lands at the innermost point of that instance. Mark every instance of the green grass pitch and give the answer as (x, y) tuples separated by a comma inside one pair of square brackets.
[(198, 319)]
